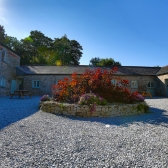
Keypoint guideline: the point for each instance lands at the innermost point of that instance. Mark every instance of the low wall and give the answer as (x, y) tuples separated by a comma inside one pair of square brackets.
[(112, 110)]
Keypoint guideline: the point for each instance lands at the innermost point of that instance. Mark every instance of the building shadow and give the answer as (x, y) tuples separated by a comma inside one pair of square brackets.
[(15, 109), (155, 97)]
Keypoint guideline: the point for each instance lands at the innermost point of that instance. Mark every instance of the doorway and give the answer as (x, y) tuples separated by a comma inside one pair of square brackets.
[(166, 83), (20, 83), (13, 86)]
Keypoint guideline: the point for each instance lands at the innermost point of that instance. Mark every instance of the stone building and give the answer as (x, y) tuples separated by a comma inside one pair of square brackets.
[(39, 79), (9, 60), (162, 77)]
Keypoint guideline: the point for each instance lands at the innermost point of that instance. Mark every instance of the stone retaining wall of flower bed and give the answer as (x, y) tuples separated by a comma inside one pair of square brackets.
[(112, 110)]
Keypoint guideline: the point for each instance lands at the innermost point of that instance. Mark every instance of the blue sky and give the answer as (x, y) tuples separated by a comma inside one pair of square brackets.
[(133, 32)]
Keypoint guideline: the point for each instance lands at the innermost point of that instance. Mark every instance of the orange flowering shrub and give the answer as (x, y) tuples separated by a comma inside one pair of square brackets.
[(97, 81)]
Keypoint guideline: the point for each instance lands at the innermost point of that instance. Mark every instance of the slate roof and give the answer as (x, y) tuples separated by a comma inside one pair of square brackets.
[(68, 70), (163, 70)]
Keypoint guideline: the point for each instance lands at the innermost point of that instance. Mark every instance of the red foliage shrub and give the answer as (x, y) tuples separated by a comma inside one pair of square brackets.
[(98, 81)]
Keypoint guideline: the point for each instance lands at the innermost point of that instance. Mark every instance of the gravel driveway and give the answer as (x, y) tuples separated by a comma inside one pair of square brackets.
[(31, 138)]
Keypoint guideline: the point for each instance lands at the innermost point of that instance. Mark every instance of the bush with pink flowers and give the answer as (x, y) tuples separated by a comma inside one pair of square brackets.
[(92, 100)]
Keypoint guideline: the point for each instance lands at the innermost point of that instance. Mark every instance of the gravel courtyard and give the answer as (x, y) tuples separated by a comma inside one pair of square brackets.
[(32, 138)]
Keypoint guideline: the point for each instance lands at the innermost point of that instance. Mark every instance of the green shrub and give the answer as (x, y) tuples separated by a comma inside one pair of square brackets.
[(144, 107)]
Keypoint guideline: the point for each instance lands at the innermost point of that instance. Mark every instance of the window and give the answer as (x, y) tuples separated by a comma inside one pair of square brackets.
[(134, 84), (3, 82), (114, 82), (35, 84), (4, 56), (150, 84)]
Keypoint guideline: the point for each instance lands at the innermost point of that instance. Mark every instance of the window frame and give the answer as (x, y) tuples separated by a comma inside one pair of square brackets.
[(3, 82), (114, 82), (134, 84), (150, 84), (4, 54), (35, 84)]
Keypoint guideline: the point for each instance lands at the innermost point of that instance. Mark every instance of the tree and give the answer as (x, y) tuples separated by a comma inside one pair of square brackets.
[(40, 49), (104, 62), (75, 52), (68, 51), (108, 62), (39, 39), (30, 47), (95, 61), (12, 42), (26, 51), (62, 47), (47, 56), (2, 34)]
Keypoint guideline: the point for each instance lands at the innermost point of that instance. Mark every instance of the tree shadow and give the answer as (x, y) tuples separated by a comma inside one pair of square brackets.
[(15, 109), (155, 116)]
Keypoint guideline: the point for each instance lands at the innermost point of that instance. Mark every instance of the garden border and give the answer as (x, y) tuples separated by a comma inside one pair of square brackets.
[(110, 110)]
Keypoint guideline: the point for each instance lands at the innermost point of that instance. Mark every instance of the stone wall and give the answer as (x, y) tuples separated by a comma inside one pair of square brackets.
[(113, 110), (142, 81), (162, 84), (7, 69), (46, 82)]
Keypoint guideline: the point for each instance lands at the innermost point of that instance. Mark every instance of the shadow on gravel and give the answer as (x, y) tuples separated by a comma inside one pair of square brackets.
[(15, 109), (157, 97), (156, 116)]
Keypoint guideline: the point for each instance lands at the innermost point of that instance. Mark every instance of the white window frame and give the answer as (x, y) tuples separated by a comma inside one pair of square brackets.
[(114, 82), (35, 84), (3, 82), (134, 84), (150, 84), (4, 57)]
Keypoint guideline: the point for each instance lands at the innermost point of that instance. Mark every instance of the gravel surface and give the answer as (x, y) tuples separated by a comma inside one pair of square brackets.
[(32, 138)]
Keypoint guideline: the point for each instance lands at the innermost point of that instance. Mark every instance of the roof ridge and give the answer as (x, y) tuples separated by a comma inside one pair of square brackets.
[(9, 49), (93, 66)]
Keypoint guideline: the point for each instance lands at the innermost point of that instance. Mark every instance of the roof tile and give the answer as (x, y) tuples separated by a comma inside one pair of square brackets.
[(163, 70), (67, 70)]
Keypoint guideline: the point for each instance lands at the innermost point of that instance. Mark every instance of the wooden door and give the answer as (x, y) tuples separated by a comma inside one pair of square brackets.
[(13, 86)]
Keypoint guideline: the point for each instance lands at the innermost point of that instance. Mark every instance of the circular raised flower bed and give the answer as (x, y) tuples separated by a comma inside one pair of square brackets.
[(110, 110)]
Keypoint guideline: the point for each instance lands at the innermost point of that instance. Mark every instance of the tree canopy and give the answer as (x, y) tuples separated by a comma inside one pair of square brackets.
[(37, 48), (104, 62), (40, 49), (68, 51), (2, 34)]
